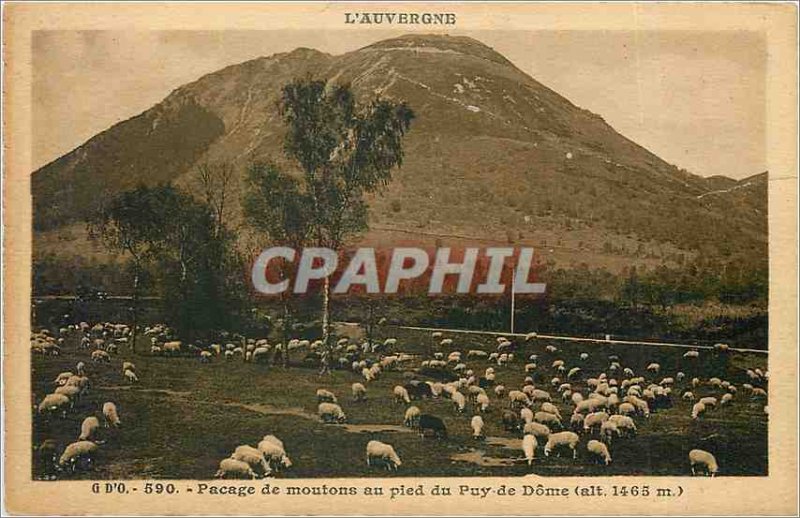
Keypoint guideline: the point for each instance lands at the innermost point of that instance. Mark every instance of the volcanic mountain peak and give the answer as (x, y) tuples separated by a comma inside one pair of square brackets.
[(439, 43)]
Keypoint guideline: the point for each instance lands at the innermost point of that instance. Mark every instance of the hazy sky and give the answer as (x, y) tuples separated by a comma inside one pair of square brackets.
[(697, 99)]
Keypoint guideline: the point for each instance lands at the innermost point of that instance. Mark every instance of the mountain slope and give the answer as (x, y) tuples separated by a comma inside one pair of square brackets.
[(492, 154)]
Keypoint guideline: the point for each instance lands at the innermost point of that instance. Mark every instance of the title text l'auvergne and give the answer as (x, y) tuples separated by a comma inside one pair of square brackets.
[(400, 18)]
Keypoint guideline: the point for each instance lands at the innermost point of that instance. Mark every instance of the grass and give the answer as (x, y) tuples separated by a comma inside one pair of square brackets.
[(184, 416)]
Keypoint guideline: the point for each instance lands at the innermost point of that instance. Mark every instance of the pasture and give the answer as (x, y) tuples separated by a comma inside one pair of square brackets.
[(184, 416)]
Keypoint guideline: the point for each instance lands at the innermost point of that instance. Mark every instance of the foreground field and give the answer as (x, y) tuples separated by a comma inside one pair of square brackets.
[(184, 416)]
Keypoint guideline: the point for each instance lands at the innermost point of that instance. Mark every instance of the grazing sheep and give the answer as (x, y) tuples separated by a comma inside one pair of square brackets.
[(326, 396), (54, 403), (172, 348), (608, 430), (709, 402), (576, 398), (253, 457), (654, 368), (759, 393), (412, 417), (62, 378), (482, 402), (359, 392), (550, 408), (691, 354), (128, 366), (71, 391), (529, 445), (599, 450), (75, 452), (232, 468), (594, 421), (331, 412), (131, 377), (698, 409), (538, 430), (274, 452), (705, 460), (401, 394), (526, 415), (477, 427), (561, 439), (624, 423), (89, 427), (518, 399), (576, 422), (384, 453), (726, 399), (111, 415), (511, 421), (541, 395), (100, 356), (688, 396), (459, 401), (433, 423), (573, 373), (548, 419)]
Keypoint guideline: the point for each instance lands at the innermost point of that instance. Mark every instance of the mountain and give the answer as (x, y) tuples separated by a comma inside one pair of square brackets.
[(493, 155)]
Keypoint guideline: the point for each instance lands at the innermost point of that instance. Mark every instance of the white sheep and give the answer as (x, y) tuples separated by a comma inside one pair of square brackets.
[(232, 468), (111, 415), (537, 429), (326, 396), (55, 402), (548, 419), (623, 422), (411, 417), (599, 450), (529, 445), (359, 392), (383, 452), (274, 452), (477, 427), (608, 429), (331, 412), (89, 427), (76, 451), (569, 439), (482, 401), (698, 409), (526, 414), (726, 399), (705, 460), (460, 401), (71, 391), (62, 378), (401, 394), (550, 408), (131, 377), (253, 457), (709, 402), (594, 420), (654, 368)]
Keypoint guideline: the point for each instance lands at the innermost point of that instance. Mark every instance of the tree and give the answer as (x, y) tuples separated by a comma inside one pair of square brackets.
[(131, 223), (275, 205), (345, 151)]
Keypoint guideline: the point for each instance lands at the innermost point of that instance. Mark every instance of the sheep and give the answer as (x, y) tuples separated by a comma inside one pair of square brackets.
[(71, 391), (111, 416), (401, 394), (551, 349), (548, 419), (539, 430), (607, 431), (594, 421), (53, 403), (253, 457), (758, 393), (526, 414), (100, 356), (576, 398), (477, 427), (155, 350), (691, 354), (232, 468), (326, 396), (475, 353), (726, 399), (172, 348), (131, 377), (698, 409), (411, 417), (518, 399), (688, 396), (550, 408), (89, 427), (624, 423), (383, 452), (704, 460), (530, 367), (359, 392), (576, 422), (62, 378), (560, 439), (76, 451), (459, 401), (511, 421), (128, 366), (274, 452), (529, 445), (709, 402), (599, 450), (654, 368), (331, 412), (541, 395), (482, 402)]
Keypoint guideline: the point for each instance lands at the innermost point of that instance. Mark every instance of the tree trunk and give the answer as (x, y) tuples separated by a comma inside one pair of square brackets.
[(326, 312), (135, 308)]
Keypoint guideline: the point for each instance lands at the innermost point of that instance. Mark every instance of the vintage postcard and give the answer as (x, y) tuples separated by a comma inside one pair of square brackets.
[(400, 259)]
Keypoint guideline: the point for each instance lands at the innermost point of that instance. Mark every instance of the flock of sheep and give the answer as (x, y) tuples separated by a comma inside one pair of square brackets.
[(71, 388), (605, 405)]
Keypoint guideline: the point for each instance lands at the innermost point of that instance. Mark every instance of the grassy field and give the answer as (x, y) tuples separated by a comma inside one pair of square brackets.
[(184, 416)]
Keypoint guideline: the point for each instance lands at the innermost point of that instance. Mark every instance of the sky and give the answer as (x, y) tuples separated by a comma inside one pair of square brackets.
[(696, 99)]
